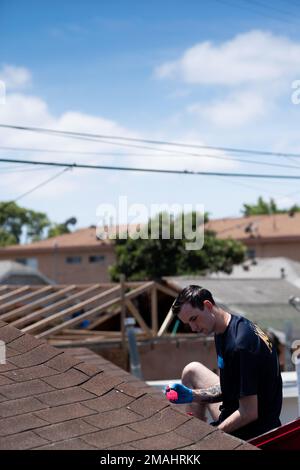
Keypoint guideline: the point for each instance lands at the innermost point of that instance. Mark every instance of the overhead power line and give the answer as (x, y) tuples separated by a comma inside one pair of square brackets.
[(151, 170), (40, 185), (98, 137), (171, 153)]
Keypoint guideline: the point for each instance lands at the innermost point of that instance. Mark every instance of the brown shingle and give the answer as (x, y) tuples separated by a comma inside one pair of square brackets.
[(67, 379), (66, 430), (17, 424), (21, 441), (167, 441), (147, 405), (70, 444), (246, 446), (194, 430), (122, 447), (63, 397), (164, 421), (113, 418), (89, 369), (217, 440), (101, 384), (25, 343), (62, 362), (20, 406), (9, 333), (64, 413), (11, 352), (29, 373), (55, 401), (25, 389), (130, 390), (110, 401), (6, 367), (5, 380), (37, 356), (110, 437)]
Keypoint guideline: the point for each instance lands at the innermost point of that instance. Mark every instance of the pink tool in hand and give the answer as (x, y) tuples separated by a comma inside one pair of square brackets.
[(171, 394)]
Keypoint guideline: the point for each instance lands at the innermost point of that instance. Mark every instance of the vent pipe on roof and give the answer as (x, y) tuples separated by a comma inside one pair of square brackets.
[(134, 358)]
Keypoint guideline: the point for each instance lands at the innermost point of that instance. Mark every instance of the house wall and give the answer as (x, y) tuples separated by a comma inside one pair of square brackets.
[(54, 265), (287, 249)]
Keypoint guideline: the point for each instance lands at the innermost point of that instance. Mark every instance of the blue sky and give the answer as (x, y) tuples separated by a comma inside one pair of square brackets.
[(217, 73)]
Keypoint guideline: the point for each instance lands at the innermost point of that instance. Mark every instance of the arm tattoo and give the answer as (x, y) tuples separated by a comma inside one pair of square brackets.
[(211, 394)]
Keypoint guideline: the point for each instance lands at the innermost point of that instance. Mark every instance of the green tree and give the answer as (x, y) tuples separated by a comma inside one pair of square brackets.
[(144, 259), (14, 220), (61, 229), (263, 207)]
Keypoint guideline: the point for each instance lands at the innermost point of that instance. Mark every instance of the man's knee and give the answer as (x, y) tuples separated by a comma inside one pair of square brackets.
[(196, 375), (191, 374)]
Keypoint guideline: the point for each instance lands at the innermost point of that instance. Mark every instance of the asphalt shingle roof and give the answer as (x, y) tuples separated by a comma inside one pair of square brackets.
[(55, 399)]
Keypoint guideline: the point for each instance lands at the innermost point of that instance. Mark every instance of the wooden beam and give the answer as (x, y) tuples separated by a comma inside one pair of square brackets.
[(24, 298), (136, 314), (167, 290), (36, 303), (154, 310), (130, 295), (73, 321), (5, 288), (13, 293), (69, 311), (89, 313), (56, 306), (166, 323), (123, 312)]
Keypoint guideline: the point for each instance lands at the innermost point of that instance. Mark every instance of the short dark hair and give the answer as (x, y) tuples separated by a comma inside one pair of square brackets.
[(194, 295)]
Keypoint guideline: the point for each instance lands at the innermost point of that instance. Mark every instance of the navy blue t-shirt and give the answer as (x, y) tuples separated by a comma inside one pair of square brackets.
[(249, 365)]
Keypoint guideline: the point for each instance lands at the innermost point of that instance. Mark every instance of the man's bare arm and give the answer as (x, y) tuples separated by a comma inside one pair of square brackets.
[(247, 412), (208, 395)]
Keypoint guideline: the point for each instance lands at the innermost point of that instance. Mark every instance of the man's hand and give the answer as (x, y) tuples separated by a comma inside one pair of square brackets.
[(185, 394)]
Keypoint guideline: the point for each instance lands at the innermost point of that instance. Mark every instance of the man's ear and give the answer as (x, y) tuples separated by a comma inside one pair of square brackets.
[(208, 305)]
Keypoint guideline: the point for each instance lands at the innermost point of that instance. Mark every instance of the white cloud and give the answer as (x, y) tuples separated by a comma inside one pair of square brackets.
[(251, 57), (28, 110), (15, 77), (236, 110)]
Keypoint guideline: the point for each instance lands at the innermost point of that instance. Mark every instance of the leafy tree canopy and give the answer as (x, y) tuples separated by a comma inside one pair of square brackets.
[(146, 258), (17, 221), (264, 207)]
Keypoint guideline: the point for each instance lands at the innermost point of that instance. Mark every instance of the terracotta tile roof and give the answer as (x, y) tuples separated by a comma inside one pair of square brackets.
[(41, 384), (84, 237), (261, 226)]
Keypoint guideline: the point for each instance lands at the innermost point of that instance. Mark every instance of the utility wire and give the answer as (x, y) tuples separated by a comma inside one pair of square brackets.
[(152, 170), (272, 8), (245, 6), (88, 136), (172, 153), (40, 185)]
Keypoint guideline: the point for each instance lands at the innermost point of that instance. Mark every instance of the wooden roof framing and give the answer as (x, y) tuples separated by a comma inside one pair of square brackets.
[(56, 310)]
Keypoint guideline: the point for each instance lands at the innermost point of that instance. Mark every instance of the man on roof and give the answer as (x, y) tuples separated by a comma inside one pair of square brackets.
[(246, 399)]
